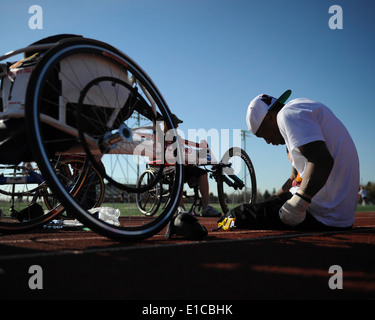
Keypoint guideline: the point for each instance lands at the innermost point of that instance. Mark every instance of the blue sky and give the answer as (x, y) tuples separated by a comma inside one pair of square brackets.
[(209, 58)]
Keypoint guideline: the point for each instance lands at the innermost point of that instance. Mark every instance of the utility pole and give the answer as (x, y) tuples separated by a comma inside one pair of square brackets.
[(244, 135), (137, 116)]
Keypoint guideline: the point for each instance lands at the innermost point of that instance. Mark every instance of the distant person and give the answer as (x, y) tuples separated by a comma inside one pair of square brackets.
[(321, 152), (363, 195)]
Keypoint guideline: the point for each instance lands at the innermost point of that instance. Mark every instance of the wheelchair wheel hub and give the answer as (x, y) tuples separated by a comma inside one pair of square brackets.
[(123, 133)]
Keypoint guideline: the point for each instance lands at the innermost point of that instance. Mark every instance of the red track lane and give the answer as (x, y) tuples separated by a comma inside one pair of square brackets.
[(227, 265)]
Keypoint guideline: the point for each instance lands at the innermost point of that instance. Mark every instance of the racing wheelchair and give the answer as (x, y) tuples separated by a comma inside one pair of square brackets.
[(79, 97), (234, 176), (25, 196)]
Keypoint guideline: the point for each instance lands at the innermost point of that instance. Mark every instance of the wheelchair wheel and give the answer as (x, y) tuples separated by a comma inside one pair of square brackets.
[(23, 199), (91, 192), (236, 183), (148, 202), (196, 207), (87, 98)]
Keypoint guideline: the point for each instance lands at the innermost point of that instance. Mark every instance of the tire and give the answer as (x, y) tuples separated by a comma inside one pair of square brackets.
[(148, 202), (92, 188), (86, 66), (21, 191), (231, 191)]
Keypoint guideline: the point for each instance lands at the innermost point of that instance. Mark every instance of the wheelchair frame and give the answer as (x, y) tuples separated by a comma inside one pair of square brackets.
[(110, 69)]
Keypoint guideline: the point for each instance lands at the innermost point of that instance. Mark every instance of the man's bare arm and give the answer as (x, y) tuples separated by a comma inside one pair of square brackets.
[(288, 183), (319, 166)]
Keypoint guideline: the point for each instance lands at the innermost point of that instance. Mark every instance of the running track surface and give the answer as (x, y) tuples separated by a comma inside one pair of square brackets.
[(226, 266)]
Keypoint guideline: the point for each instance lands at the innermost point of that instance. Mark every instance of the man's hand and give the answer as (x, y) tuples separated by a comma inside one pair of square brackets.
[(293, 212)]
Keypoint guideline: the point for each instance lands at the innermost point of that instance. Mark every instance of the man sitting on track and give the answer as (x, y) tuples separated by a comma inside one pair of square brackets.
[(322, 153)]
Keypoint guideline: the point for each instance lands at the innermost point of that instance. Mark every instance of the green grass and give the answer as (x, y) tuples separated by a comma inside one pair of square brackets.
[(132, 209), (369, 208)]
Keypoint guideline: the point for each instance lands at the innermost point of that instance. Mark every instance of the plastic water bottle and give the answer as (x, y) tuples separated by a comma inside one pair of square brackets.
[(107, 214)]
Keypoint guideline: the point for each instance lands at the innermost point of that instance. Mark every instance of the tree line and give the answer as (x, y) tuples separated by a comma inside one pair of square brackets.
[(266, 195), (370, 191)]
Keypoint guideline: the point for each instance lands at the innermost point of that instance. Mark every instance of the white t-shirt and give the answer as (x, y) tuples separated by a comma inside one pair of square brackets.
[(302, 121)]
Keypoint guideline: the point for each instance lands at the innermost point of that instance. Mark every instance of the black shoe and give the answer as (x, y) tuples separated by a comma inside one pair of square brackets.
[(29, 213), (186, 225)]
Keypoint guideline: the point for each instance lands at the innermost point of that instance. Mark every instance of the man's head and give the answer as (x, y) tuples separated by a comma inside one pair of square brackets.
[(176, 121), (261, 117)]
